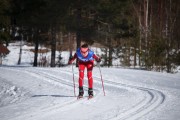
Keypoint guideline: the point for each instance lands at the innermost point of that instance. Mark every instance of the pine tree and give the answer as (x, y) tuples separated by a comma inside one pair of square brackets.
[(4, 21)]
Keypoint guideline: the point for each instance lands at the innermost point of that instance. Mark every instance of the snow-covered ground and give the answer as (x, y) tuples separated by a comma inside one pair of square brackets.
[(29, 93)]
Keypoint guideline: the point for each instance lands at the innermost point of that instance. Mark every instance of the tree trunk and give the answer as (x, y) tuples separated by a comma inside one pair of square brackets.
[(106, 57), (70, 46), (110, 56), (0, 58), (146, 10), (78, 32), (135, 57), (53, 48), (36, 48), (20, 53), (140, 38)]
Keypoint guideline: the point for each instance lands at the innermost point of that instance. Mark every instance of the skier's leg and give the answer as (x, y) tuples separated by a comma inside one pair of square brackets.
[(90, 92), (81, 79), (81, 92), (90, 79), (81, 74)]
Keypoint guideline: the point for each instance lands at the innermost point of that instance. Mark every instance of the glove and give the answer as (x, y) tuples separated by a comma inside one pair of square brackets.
[(99, 60), (70, 62)]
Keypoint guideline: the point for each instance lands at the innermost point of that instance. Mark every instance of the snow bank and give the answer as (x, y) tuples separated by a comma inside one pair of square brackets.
[(10, 94)]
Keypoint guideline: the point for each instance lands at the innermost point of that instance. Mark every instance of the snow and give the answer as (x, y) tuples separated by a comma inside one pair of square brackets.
[(37, 93)]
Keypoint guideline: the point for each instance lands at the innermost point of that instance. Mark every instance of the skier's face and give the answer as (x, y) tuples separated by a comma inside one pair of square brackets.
[(84, 51)]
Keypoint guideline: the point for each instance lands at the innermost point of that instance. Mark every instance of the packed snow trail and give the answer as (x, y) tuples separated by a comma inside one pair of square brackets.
[(153, 100), (51, 97)]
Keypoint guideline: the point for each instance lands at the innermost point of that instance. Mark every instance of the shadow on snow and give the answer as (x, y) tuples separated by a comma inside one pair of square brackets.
[(51, 96)]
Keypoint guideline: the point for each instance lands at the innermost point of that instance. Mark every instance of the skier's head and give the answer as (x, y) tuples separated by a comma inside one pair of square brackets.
[(84, 48)]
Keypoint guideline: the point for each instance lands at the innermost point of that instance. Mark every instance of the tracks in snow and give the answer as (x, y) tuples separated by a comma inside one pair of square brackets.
[(152, 100)]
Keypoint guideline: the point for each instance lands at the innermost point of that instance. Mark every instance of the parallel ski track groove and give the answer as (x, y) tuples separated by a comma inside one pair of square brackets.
[(56, 80), (155, 98)]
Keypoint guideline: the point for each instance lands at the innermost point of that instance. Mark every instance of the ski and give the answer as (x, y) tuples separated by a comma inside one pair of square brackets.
[(90, 97), (79, 97)]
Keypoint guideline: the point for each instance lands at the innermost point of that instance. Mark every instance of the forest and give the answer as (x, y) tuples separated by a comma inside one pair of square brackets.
[(142, 33)]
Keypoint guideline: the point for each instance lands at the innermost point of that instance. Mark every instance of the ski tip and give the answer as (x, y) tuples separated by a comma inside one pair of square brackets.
[(90, 97), (79, 97)]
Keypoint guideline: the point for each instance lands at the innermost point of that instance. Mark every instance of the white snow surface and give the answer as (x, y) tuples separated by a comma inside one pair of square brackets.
[(36, 93)]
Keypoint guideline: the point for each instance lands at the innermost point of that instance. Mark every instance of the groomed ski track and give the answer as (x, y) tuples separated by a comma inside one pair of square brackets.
[(148, 99)]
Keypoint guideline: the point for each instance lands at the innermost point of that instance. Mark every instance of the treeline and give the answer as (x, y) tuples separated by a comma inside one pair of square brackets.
[(141, 33)]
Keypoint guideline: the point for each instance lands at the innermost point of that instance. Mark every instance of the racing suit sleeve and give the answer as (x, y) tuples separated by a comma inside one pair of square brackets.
[(72, 59)]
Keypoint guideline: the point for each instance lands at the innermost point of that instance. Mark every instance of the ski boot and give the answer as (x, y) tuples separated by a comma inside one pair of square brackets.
[(81, 93), (90, 92)]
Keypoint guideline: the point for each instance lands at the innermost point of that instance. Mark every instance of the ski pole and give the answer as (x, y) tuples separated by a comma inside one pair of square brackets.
[(101, 78), (74, 82)]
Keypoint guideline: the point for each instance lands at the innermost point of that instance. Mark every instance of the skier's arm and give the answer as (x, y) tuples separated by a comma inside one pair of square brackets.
[(73, 58), (98, 59)]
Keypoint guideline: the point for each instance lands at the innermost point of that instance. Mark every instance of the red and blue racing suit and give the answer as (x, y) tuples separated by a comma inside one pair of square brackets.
[(85, 62)]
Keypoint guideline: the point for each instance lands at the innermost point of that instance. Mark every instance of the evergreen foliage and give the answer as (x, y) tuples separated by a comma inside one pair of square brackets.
[(142, 33)]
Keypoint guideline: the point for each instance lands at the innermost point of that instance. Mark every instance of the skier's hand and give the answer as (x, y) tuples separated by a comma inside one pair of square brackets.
[(99, 60), (70, 62)]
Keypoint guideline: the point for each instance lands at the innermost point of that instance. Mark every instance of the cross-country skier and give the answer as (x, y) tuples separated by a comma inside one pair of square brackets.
[(86, 59)]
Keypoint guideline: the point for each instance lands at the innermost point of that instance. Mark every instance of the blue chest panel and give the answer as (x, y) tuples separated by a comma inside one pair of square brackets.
[(85, 59)]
